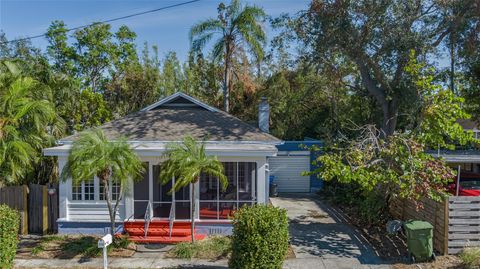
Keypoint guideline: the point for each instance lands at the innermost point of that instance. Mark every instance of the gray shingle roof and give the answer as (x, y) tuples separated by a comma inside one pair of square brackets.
[(173, 123)]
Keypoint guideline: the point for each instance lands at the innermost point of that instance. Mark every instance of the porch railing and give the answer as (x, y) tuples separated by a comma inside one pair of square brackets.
[(171, 218), (148, 217)]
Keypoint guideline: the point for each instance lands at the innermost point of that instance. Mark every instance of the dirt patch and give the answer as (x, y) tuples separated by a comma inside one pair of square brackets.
[(290, 253), (442, 262), (69, 247)]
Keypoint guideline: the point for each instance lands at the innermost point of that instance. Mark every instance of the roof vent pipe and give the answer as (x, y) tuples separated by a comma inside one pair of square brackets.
[(264, 115)]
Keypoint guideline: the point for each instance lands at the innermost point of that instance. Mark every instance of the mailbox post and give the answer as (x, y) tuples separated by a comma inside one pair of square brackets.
[(103, 243)]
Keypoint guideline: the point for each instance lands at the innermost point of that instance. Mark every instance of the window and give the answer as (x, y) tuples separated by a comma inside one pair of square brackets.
[(84, 190), (114, 191), (89, 190), (241, 190), (77, 191)]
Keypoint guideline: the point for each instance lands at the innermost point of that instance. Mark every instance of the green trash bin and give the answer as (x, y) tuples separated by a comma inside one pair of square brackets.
[(419, 240)]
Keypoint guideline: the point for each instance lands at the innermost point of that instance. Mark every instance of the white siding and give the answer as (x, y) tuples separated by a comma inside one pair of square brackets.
[(84, 211), (287, 171)]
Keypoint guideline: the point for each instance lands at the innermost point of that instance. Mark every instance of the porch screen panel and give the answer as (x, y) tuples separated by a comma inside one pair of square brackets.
[(246, 180), (182, 203), (208, 192), (232, 173), (140, 194), (140, 187), (160, 192), (162, 201), (221, 204)]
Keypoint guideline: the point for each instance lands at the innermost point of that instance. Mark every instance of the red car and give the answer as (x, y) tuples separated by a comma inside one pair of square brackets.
[(469, 185)]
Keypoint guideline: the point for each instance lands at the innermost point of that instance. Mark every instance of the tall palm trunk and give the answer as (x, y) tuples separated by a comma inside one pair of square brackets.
[(226, 79), (111, 210), (192, 212), (226, 82)]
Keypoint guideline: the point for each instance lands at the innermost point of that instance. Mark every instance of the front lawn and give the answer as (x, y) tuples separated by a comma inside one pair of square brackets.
[(214, 247), (68, 247)]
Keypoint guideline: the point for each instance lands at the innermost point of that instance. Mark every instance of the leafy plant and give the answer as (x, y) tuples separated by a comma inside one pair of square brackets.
[(93, 154), (9, 225), (470, 257), (25, 115), (260, 237), (186, 162), (398, 165), (211, 248)]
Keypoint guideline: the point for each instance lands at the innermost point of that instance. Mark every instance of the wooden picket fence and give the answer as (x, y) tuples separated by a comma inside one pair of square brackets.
[(456, 220), (38, 209)]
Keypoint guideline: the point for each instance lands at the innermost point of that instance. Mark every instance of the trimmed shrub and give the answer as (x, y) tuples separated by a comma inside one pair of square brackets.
[(9, 223), (260, 238)]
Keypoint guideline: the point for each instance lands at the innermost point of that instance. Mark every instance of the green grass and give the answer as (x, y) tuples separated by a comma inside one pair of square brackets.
[(211, 248), (85, 245), (71, 246), (470, 257), (37, 249)]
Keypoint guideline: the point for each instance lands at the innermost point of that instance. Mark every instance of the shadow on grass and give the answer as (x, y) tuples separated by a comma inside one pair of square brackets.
[(85, 246)]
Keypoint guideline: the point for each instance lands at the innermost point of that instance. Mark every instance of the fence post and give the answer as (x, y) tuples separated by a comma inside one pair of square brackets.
[(44, 210), (445, 226)]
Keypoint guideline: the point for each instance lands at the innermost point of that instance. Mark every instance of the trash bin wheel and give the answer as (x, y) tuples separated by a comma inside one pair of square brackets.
[(434, 257), (411, 258)]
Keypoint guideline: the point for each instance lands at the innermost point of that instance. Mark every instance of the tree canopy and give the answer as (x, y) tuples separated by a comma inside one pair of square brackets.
[(329, 72)]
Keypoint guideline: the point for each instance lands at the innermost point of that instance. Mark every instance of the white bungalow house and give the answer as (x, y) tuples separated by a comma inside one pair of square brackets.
[(241, 147)]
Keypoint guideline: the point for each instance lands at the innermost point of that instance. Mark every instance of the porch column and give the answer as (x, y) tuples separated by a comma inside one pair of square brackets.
[(150, 182), (262, 181), (64, 189), (128, 198), (197, 200)]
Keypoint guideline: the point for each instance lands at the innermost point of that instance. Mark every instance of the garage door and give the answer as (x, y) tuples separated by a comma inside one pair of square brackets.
[(288, 173)]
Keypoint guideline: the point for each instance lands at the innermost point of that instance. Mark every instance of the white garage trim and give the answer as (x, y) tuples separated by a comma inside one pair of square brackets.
[(287, 171)]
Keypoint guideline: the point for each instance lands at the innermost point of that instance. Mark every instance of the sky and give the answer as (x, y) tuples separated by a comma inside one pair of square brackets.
[(168, 29)]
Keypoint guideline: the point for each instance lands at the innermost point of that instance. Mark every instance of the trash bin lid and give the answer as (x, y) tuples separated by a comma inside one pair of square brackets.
[(417, 225)]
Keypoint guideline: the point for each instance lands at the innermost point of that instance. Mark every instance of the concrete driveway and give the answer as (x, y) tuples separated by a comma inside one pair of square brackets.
[(322, 238)]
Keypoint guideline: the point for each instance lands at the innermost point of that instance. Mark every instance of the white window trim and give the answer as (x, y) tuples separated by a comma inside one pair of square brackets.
[(96, 191)]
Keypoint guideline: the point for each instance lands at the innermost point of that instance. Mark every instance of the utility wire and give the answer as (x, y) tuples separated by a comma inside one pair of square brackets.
[(105, 21)]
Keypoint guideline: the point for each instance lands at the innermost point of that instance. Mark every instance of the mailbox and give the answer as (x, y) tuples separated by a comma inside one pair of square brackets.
[(105, 241)]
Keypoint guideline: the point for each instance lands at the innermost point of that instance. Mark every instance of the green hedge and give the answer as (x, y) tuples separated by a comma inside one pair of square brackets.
[(9, 223), (260, 237)]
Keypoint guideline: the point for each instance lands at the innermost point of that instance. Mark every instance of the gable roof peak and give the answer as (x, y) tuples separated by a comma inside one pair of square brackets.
[(169, 100)]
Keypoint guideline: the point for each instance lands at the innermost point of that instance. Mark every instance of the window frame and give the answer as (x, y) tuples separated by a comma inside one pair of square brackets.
[(97, 194)]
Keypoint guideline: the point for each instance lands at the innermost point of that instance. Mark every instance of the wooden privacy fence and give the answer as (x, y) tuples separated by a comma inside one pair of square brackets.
[(464, 223), (456, 220), (37, 206), (432, 211), (16, 198)]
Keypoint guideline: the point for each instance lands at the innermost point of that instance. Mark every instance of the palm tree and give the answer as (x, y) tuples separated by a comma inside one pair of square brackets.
[(186, 162), (92, 154), (236, 25), (26, 116)]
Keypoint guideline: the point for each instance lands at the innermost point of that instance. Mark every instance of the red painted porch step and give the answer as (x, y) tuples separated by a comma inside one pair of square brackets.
[(165, 239), (155, 224), (159, 232), (152, 231)]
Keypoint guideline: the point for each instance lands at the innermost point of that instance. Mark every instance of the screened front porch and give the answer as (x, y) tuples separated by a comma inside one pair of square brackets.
[(212, 203)]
